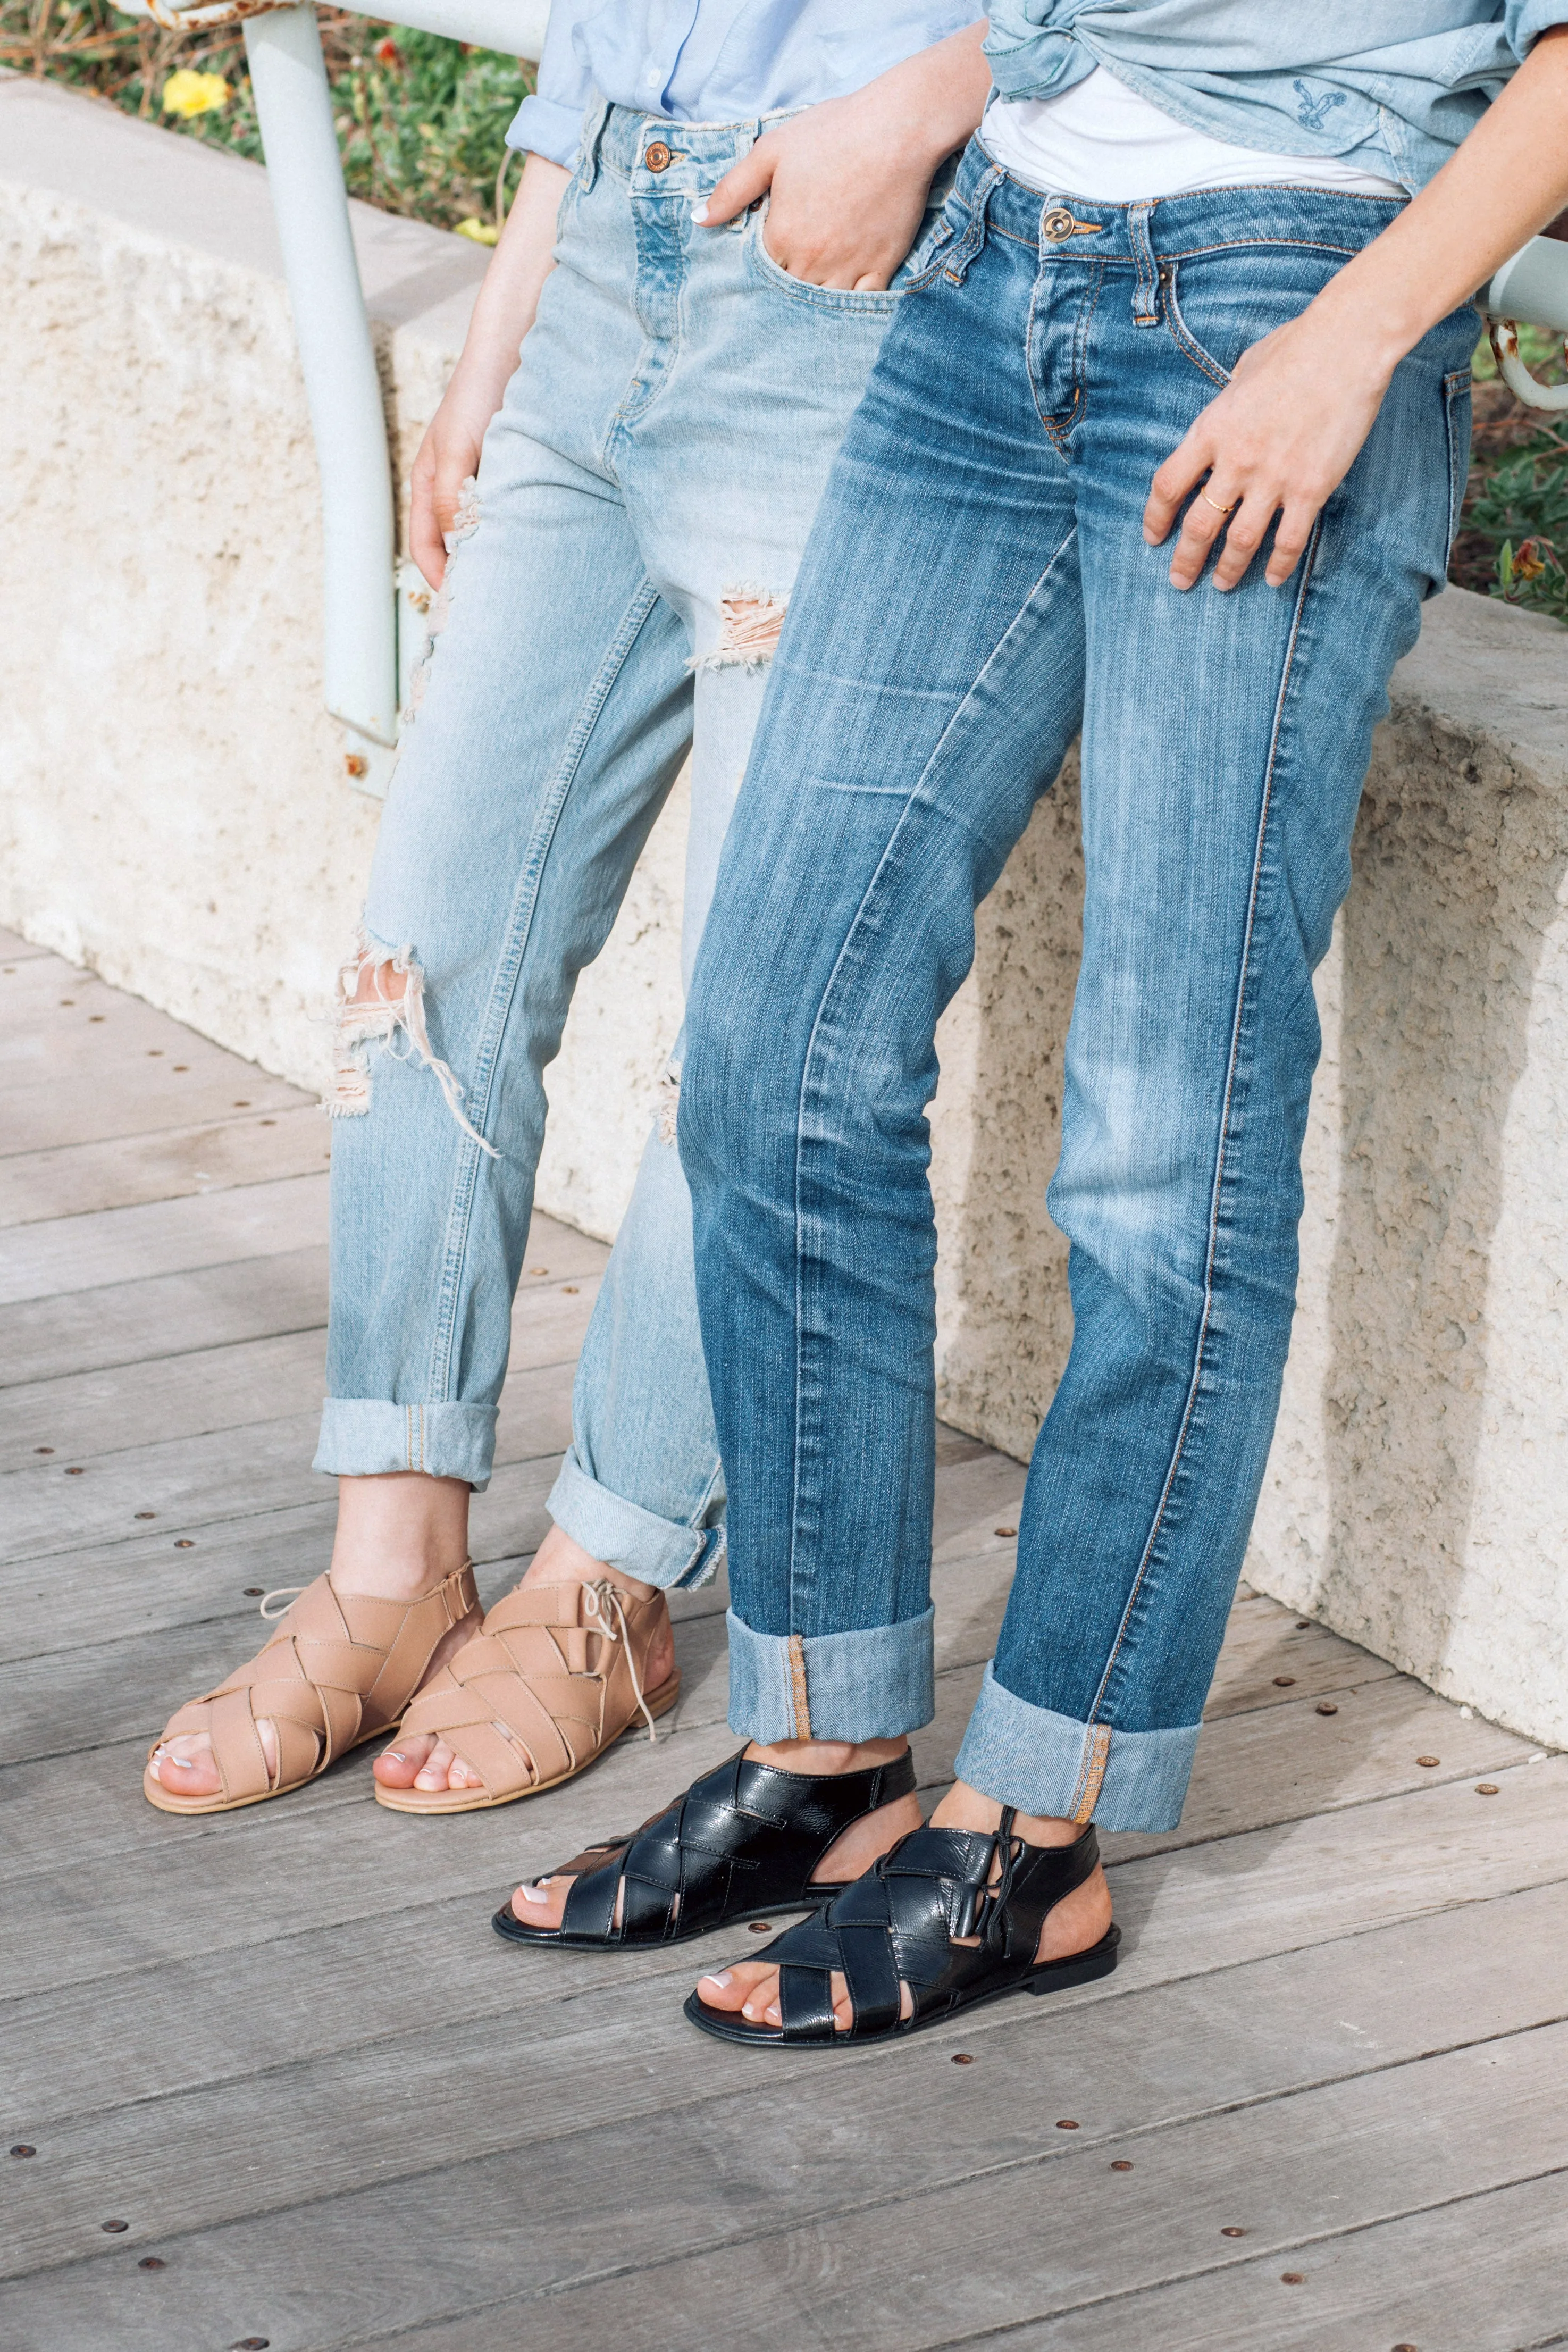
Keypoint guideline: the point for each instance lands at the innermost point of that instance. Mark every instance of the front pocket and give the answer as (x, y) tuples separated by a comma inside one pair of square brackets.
[(1215, 306), (842, 298)]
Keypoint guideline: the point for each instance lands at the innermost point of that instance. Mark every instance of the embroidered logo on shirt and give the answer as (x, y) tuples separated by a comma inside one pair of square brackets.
[(1313, 112)]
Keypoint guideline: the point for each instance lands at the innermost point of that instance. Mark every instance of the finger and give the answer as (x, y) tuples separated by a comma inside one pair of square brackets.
[(1296, 527), (741, 186), (424, 532), (1174, 484), (1201, 526), (1244, 535)]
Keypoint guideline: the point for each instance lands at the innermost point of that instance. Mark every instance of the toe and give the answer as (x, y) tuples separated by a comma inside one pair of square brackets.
[(398, 1766), (540, 1904), (185, 1766), (738, 1988), (435, 1772)]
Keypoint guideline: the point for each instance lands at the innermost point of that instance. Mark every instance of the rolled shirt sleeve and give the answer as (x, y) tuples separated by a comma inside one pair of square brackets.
[(1524, 21), (550, 123)]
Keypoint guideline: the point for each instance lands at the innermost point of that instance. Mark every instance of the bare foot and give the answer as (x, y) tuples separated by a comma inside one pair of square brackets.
[(849, 1857), (398, 1537), (1076, 1923), (426, 1761)]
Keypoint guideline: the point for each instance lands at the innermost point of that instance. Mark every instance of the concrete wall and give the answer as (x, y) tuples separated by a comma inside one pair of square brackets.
[(173, 811)]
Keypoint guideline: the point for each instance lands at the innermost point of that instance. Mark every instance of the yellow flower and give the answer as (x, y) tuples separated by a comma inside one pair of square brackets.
[(191, 94), (482, 232)]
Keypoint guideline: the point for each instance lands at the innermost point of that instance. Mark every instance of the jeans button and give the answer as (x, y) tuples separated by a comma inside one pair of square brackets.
[(656, 156)]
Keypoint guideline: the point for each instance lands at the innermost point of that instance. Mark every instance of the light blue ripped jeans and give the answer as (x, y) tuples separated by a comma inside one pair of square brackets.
[(642, 501)]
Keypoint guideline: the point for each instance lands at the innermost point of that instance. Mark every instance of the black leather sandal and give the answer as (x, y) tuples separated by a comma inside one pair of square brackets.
[(742, 1841), (898, 1924)]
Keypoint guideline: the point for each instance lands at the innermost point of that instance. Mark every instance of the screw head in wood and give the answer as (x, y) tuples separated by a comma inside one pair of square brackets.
[(1284, 1682), (1232, 2232), (1007, 1531), (152, 2263), (1067, 2124), (1292, 2278), (1302, 1624), (255, 1591), (963, 2058), (1485, 1788), (23, 2148), (1429, 1761), (1327, 1706), (1121, 2164), (77, 1473), (762, 1927), (251, 2344), (115, 2229), (184, 1543), (143, 1514), (43, 1449)]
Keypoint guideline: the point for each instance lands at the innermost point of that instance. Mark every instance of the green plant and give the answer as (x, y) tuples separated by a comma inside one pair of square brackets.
[(421, 121), (1522, 510)]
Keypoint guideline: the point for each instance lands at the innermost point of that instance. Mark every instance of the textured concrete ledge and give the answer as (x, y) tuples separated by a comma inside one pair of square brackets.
[(173, 811)]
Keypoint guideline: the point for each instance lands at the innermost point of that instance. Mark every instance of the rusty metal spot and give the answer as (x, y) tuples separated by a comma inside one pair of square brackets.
[(1121, 2164), (1327, 1706), (115, 2229), (23, 2148), (184, 1543), (1292, 2278), (963, 2058), (77, 1473), (1284, 1682), (1230, 2231), (355, 764), (1485, 1788), (762, 1927), (1429, 1760), (152, 2263), (1007, 1531), (1067, 2124)]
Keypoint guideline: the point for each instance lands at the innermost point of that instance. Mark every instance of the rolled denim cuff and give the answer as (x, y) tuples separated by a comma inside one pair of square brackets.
[(1048, 1763), (362, 1437), (624, 1536), (867, 1685)]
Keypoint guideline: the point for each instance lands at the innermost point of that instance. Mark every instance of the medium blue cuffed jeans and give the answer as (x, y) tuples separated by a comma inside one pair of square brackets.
[(642, 503), (977, 588)]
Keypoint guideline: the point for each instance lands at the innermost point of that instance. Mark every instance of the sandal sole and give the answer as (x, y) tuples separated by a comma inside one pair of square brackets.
[(480, 1801), (1054, 1976)]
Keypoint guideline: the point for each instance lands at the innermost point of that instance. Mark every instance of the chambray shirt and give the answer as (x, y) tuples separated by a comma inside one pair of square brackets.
[(719, 60), (1396, 84)]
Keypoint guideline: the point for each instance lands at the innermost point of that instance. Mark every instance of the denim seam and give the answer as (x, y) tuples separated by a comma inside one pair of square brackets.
[(505, 986), (1185, 341), (882, 864), (1059, 426), (1218, 1188)]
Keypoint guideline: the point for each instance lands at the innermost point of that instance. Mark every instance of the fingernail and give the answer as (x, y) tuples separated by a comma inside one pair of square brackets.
[(719, 1981), (700, 214), (1149, 540), (533, 1894)]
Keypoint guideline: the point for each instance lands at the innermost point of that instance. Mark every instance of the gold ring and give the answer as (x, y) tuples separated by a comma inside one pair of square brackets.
[(1216, 505)]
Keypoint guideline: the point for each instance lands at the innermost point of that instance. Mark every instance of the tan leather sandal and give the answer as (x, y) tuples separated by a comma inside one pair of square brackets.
[(560, 1666), (339, 1670)]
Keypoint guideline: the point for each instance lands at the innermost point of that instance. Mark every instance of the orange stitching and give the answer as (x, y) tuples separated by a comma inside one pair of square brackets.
[(797, 1678), (1091, 1773)]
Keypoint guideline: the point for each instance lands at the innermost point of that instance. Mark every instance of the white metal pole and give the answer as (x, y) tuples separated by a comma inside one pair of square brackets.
[(294, 110)]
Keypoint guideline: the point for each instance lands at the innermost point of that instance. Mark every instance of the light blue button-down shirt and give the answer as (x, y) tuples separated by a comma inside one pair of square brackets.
[(718, 60), (1396, 84)]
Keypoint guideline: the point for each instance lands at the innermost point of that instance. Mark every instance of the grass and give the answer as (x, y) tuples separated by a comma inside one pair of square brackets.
[(423, 124)]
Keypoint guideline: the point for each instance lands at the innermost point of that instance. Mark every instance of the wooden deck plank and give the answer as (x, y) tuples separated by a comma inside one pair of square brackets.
[(891, 2192), (51, 1259), (165, 1313), (167, 1164)]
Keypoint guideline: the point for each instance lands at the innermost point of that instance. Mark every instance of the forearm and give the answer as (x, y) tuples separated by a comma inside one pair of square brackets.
[(1499, 188), (936, 98), (509, 294)]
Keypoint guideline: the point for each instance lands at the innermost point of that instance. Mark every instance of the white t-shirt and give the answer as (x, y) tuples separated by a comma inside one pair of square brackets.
[(1102, 139)]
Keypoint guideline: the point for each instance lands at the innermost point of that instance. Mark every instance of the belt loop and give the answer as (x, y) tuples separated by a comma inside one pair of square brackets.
[(956, 265), (593, 128), (1146, 292)]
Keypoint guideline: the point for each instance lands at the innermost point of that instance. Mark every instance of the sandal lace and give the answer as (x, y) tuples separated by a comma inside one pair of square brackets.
[(284, 1592), (599, 1600)]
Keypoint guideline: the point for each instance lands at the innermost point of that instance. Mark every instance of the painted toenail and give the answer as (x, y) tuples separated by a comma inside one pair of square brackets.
[(396, 1756), (533, 1894), (719, 1981)]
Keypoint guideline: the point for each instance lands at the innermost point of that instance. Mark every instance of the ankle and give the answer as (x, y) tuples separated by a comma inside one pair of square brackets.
[(825, 1759), (560, 1559), (964, 1808), (400, 1534)]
